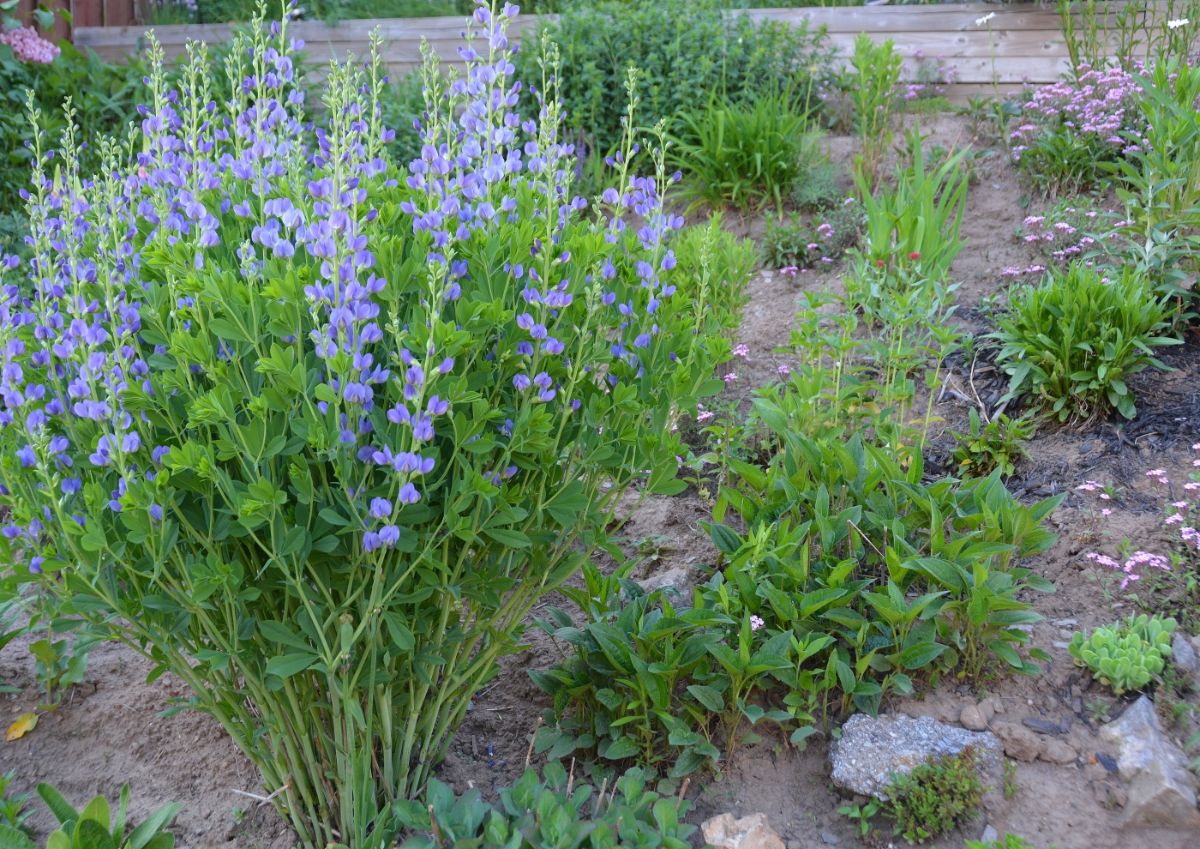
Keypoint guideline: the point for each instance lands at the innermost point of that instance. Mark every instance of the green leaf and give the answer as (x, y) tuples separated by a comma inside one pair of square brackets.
[(504, 536), (710, 697), (57, 804), (619, 749), (89, 834), (726, 541), (920, 655), (10, 838), (147, 834), (289, 664)]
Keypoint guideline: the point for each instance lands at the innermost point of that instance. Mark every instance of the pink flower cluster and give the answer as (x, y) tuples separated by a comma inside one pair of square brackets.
[(1099, 103), (1181, 514), (1060, 233), (29, 46)]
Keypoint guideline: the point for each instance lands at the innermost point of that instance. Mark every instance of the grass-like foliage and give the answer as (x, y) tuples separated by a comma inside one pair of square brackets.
[(314, 434), (874, 95), (97, 825), (745, 153), (1069, 343)]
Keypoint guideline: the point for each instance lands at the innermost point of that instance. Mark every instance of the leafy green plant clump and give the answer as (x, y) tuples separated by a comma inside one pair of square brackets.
[(936, 796), (96, 826), (746, 153), (1069, 343), (553, 811), (1127, 655), (998, 444)]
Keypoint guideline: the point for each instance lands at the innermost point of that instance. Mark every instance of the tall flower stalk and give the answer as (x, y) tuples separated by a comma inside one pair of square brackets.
[(315, 434)]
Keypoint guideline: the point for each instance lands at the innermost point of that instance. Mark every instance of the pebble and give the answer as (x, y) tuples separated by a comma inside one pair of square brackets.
[(972, 717), (829, 838), (1044, 726), (1019, 742), (1066, 623), (989, 835), (1057, 752)]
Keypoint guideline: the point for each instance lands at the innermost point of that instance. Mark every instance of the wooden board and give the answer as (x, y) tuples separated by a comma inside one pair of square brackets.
[(1018, 44)]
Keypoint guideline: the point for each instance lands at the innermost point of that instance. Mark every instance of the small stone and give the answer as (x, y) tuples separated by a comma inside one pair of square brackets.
[(1108, 762), (1057, 752), (985, 707), (972, 717), (997, 704), (1044, 726), (1183, 656), (1019, 742), (829, 838), (1070, 622), (750, 832), (1162, 792), (677, 579), (989, 835), (1061, 644)]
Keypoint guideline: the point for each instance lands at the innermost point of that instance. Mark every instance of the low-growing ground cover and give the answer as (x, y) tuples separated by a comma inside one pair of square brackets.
[(825, 545)]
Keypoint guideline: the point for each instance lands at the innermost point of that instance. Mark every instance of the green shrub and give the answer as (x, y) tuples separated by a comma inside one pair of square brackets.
[(96, 826), (998, 444), (552, 811), (403, 105), (936, 796), (1128, 655), (1070, 342), (746, 153), (714, 269), (686, 51), (805, 240), (336, 433)]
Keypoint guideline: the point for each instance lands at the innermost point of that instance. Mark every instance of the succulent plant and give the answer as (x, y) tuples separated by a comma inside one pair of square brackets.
[(1125, 655)]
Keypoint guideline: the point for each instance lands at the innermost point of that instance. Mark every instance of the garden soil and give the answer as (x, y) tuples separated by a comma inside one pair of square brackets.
[(112, 730)]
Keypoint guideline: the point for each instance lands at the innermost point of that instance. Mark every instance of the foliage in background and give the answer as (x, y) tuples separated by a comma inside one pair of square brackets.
[(96, 826), (936, 796), (686, 51), (1127, 655), (1069, 343), (325, 498), (552, 811), (103, 97), (873, 81), (805, 240), (1098, 33)]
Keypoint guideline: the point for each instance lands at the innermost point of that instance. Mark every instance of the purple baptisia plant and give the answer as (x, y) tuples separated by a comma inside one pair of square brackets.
[(315, 434)]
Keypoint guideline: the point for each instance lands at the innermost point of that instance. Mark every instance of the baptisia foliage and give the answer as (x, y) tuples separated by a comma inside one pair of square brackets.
[(314, 434)]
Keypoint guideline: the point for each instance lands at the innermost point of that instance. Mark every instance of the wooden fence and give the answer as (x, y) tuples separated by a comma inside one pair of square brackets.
[(1017, 44)]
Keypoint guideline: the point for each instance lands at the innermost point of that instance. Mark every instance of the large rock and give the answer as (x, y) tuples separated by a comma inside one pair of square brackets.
[(872, 750), (1184, 658), (750, 832), (1162, 792)]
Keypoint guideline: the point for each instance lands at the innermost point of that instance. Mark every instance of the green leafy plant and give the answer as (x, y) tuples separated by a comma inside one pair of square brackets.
[(805, 240), (916, 224), (1127, 655), (747, 153), (873, 80), (686, 52), (12, 808), (998, 444), (1070, 343), (96, 826), (862, 815), (362, 426), (553, 811), (936, 796), (1008, 841)]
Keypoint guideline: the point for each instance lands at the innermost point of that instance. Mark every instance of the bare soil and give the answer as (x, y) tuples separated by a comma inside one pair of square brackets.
[(112, 731)]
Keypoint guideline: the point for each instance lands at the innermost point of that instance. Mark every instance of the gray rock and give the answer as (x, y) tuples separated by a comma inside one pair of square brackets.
[(678, 578), (1020, 743), (1183, 656), (872, 750), (990, 835), (829, 838), (1045, 726), (1162, 792)]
